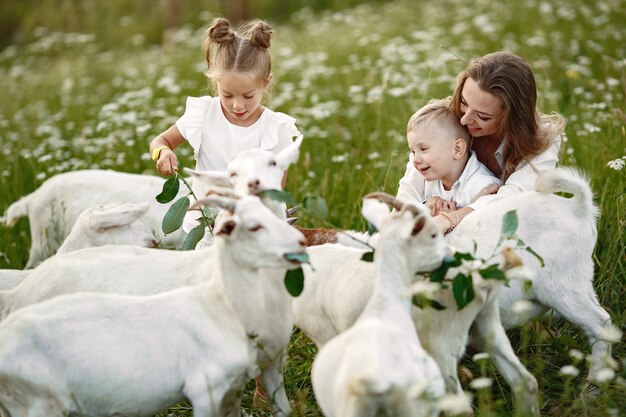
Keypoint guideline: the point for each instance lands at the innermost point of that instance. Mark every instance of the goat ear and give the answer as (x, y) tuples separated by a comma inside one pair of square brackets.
[(374, 211), (419, 225), (289, 155), (215, 201), (210, 178), (226, 228), (117, 216)]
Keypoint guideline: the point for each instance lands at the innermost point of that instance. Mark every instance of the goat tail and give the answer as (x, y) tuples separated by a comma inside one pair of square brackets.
[(17, 210), (572, 181)]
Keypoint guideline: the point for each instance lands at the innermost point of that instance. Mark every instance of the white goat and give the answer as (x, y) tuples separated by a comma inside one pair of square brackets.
[(377, 366), (101, 355), (564, 284), (114, 224), (136, 271), (53, 208), (563, 231)]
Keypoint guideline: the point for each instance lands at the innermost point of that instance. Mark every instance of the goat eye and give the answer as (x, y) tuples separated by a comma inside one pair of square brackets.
[(434, 235), (272, 163), (256, 228), (233, 174)]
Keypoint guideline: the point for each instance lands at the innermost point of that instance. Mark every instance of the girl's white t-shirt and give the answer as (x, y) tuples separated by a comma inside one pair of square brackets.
[(216, 141)]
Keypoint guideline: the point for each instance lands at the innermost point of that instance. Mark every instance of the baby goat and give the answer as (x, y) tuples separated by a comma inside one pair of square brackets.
[(378, 367), (103, 355), (97, 226), (53, 208)]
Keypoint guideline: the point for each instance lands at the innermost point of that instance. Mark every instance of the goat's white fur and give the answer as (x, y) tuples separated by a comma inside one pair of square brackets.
[(102, 354), (114, 224), (324, 308), (563, 231), (378, 366), (53, 208), (135, 271)]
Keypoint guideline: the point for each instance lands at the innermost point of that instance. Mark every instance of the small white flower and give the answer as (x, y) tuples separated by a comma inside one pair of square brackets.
[(522, 307), (481, 383), (481, 356), (604, 375), (426, 288), (611, 334), (576, 354), (454, 404), (569, 370), (616, 164)]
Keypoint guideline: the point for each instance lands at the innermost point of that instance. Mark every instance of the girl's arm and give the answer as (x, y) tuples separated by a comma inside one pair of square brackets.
[(161, 150)]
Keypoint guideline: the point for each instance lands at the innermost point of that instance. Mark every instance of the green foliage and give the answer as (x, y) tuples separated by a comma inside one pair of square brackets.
[(294, 281), (279, 195), (173, 219), (194, 236), (316, 205), (170, 190)]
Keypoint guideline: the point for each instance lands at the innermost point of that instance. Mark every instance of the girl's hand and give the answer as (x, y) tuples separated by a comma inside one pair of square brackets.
[(167, 164)]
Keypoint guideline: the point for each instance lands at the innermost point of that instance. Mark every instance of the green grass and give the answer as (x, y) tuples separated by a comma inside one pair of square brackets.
[(352, 79)]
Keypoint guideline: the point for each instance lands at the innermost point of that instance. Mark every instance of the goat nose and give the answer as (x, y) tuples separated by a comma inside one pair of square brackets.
[(253, 184), (302, 242)]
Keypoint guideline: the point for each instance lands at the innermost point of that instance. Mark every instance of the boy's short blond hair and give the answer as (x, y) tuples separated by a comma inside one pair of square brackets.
[(439, 111)]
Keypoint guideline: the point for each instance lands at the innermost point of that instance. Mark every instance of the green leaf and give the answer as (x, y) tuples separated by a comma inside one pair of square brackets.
[(493, 272), (421, 301), (371, 229), (301, 257), (439, 274), (368, 256), (294, 281), (316, 205), (195, 235), (278, 195), (173, 219), (527, 285), (463, 290), (463, 256), (509, 224), (170, 190)]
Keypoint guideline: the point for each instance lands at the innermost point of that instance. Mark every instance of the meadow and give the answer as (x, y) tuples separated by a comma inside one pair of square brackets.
[(352, 78)]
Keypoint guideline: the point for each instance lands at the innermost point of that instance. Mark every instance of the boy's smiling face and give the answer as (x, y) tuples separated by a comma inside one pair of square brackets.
[(435, 152)]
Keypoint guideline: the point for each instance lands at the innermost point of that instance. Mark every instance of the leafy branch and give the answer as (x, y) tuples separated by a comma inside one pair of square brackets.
[(175, 215)]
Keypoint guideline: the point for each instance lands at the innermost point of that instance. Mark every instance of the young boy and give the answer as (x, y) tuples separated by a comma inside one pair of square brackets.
[(449, 176)]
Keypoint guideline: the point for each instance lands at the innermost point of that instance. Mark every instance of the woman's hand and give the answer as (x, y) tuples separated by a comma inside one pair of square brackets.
[(436, 205)]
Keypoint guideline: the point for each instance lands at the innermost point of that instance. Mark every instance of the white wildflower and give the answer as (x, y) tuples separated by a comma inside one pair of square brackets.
[(569, 370), (454, 404), (611, 334), (426, 288), (481, 383), (576, 354), (604, 375), (481, 356), (617, 164), (522, 307), (339, 158)]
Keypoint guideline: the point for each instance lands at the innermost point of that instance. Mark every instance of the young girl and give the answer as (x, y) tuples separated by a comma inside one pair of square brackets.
[(218, 128), (496, 99)]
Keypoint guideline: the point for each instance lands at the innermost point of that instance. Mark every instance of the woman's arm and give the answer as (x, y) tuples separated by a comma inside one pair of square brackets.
[(166, 161)]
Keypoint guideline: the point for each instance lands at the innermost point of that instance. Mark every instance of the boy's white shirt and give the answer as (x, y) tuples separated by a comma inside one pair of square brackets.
[(522, 179), (216, 141), (475, 177)]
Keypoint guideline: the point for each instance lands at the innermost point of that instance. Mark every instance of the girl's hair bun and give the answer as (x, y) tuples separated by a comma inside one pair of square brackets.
[(220, 31), (259, 33)]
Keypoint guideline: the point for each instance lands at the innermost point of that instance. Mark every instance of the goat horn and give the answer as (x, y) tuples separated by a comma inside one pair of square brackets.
[(223, 192), (386, 198)]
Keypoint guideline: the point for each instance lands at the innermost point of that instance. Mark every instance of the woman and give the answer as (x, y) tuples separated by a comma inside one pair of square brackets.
[(496, 99)]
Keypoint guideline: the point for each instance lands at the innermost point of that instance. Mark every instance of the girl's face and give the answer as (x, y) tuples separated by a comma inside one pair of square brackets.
[(482, 111), (241, 96)]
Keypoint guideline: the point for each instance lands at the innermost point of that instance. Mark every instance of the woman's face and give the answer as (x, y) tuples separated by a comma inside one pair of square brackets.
[(482, 111)]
